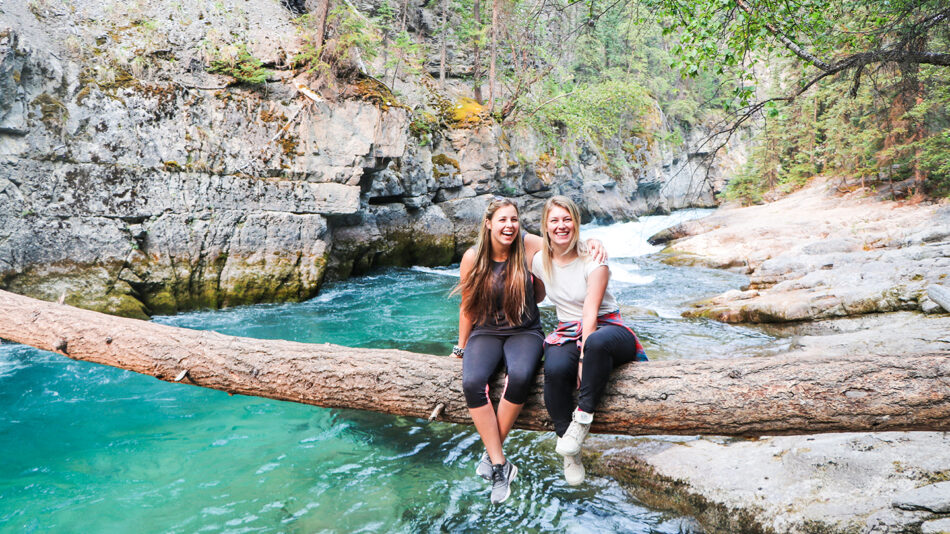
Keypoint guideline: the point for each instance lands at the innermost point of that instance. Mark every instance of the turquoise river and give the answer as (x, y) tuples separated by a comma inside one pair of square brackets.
[(93, 449)]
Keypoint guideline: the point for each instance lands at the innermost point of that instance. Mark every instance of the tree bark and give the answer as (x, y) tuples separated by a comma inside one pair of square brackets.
[(477, 60), (493, 55), (323, 10), (442, 45), (738, 397)]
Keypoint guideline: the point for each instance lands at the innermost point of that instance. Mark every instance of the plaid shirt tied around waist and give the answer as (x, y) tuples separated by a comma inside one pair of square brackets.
[(574, 330)]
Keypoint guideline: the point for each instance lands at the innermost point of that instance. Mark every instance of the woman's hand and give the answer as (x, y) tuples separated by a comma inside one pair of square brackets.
[(597, 251), (580, 372)]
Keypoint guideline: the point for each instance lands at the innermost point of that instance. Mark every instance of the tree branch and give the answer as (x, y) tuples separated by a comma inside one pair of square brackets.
[(790, 44)]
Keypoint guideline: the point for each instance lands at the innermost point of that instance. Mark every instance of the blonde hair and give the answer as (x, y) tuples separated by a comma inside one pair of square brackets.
[(478, 291), (575, 245)]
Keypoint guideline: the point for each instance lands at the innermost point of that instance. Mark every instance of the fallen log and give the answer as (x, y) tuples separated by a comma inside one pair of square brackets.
[(738, 397)]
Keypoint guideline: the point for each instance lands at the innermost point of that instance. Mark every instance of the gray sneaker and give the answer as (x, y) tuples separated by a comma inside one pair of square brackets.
[(502, 475), (484, 467), (570, 443)]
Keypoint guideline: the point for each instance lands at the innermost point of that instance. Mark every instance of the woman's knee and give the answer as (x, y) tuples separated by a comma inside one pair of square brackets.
[(597, 343), (559, 366), (476, 391)]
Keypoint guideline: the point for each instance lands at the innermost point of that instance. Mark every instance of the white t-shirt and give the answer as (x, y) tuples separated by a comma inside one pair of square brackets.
[(567, 287)]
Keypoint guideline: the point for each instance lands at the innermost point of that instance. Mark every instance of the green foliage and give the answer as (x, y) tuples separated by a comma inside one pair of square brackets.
[(596, 113), (618, 93), (869, 139), (423, 125), (405, 51), (348, 35), (353, 31), (238, 63)]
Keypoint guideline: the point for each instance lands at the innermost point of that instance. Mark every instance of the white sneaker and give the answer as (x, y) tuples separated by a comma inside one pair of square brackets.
[(573, 470), (570, 443)]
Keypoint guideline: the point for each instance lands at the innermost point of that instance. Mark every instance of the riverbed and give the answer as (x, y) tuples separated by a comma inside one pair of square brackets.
[(93, 448)]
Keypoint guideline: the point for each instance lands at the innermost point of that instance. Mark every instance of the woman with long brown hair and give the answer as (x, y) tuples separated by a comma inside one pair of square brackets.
[(498, 321)]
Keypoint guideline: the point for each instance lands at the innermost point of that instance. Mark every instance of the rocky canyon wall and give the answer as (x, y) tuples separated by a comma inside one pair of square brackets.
[(150, 186)]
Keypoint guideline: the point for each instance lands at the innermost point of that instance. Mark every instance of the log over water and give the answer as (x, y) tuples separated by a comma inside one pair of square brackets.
[(737, 397)]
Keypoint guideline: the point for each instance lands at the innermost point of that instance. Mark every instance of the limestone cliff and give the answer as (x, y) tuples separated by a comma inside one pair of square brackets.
[(135, 182)]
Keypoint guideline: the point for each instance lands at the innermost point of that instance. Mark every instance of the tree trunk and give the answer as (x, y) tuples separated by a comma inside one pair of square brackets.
[(739, 397), (444, 29), (494, 55), (477, 60), (323, 9)]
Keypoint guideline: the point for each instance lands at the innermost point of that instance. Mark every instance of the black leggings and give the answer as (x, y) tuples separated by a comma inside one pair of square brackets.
[(483, 354), (607, 348)]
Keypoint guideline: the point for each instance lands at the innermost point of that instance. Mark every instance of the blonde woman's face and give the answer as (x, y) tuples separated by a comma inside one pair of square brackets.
[(504, 226), (560, 226)]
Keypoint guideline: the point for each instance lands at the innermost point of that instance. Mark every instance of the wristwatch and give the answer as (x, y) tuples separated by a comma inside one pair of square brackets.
[(458, 351)]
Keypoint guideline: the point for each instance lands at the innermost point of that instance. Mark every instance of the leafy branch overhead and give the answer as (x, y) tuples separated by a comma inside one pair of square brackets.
[(831, 36)]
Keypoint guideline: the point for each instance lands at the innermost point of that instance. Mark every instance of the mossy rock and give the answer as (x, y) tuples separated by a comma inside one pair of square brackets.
[(466, 113), (411, 248), (376, 92), (445, 161), (91, 287)]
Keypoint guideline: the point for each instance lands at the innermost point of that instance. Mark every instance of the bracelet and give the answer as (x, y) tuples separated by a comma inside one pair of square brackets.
[(458, 351)]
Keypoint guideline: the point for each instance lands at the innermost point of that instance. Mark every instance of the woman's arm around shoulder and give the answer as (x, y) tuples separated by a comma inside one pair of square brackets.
[(532, 244)]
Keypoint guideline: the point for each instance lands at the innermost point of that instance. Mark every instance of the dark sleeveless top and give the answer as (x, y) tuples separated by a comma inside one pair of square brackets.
[(495, 323)]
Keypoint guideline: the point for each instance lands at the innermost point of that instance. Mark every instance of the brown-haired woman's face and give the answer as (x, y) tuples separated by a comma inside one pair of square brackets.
[(504, 226), (560, 226)]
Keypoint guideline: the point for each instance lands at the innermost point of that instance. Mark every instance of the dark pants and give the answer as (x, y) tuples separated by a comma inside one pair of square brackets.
[(607, 348), (484, 352)]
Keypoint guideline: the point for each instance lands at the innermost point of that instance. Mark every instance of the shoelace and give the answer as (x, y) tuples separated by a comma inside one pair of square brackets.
[(575, 431), (497, 474)]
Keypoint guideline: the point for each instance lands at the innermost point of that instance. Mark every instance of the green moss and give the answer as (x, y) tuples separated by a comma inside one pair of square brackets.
[(466, 112), (83, 93), (162, 302), (16, 76), (88, 286), (270, 116), (288, 145), (172, 166), (53, 111), (442, 159), (376, 92), (405, 248)]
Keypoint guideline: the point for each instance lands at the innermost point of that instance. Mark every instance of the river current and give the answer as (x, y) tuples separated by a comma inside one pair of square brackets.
[(89, 448)]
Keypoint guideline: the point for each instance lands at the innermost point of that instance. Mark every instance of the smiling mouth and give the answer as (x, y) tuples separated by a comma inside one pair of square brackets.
[(508, 232)]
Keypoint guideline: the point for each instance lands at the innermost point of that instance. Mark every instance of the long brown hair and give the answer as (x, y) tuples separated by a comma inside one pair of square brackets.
[(478, 291), (547, 249)]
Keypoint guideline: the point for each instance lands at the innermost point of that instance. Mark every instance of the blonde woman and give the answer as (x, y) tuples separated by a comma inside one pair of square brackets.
[(590, 340)]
